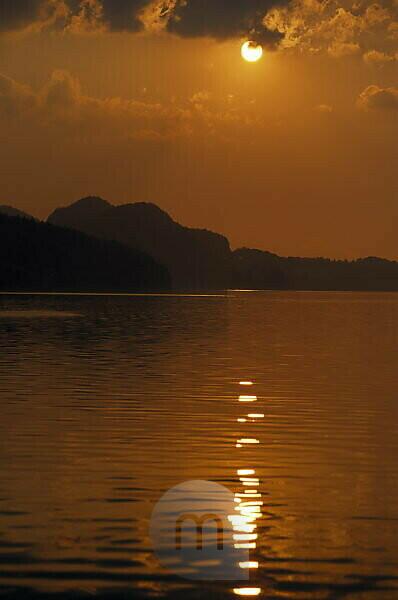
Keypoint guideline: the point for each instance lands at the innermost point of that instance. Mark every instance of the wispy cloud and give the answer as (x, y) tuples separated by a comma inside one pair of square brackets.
[(378, 98), (316, 26), (61, 103)]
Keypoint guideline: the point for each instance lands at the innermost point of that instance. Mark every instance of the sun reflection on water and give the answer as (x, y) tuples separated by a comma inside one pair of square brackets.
[(248, 501), (247, 591), (245, 398)]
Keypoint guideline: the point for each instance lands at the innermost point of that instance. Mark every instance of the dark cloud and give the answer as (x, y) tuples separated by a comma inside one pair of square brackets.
[(122, 15), (119, 15), (15, 14), (218, 19), (224, 19), (377, 98)]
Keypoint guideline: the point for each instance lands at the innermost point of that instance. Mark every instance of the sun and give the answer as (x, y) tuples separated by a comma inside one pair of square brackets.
[(251, 51)]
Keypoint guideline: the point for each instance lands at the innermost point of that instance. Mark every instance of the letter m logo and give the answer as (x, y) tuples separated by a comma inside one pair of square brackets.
[(199, 522)]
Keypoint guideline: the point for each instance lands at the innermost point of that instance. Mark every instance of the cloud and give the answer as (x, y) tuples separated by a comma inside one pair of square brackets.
[(374, 57), (35, 15), (217, 19), (15, 98), (123, 15), (71, 15), (224, 19), (88, 18), (60, 103), (325, 109), (338, 27), (15, 14), (155, 16), (338, 49), (62, 108), (377, 98), (334, 27)]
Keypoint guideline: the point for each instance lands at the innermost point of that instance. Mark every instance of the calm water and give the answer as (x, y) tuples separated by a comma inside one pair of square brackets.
[(108, 401)]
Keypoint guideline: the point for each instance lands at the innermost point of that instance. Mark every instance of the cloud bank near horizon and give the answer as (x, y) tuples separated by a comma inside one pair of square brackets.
[(217, 19), (339, 28)]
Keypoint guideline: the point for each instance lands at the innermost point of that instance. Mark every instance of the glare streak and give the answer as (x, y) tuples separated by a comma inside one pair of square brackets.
[(247, 398), (247, 591), (251, 564)]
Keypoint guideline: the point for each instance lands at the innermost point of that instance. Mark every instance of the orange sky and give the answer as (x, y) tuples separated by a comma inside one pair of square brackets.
[(296, 154)]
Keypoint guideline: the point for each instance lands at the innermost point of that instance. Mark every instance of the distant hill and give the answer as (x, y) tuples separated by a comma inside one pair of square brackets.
[(93, 245), (254, 269), (200, 259), (196, 258), (37, 256), (13, 212)]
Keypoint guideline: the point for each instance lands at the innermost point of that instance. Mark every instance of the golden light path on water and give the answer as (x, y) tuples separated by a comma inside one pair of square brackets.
[(248, 500), (247, 398)]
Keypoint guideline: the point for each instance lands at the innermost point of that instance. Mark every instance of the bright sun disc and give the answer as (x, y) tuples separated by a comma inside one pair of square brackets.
[(251, 51)]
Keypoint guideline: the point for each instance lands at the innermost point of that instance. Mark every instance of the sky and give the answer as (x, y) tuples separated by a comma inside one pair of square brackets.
[(150, 100)]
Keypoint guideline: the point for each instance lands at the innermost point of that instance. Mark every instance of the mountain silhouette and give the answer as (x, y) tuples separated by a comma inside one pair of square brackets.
[(36, 256), (200, 259), (196, 258), (13, 212), (94, 245), (256, 269)]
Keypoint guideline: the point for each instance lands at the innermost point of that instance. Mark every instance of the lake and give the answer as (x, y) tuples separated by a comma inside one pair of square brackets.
[(108, 402)]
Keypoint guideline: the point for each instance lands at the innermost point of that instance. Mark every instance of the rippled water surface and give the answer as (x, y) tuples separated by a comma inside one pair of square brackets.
[(109, 401)]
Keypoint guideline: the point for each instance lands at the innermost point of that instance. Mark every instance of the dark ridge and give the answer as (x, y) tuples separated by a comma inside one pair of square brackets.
[(196, 258), (37, 256), (254, 269), (10, 211), (202, 260), (78, 212)]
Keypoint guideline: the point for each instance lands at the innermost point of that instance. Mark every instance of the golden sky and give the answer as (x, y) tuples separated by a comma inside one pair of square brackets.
[(150, 100)]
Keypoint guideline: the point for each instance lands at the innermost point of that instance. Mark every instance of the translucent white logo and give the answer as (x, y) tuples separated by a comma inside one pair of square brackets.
[(193, 531)]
